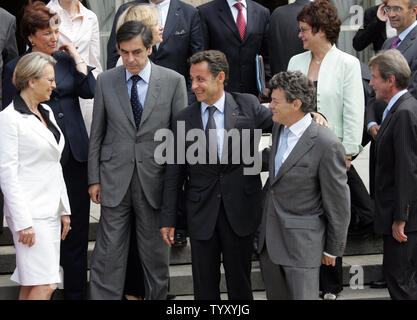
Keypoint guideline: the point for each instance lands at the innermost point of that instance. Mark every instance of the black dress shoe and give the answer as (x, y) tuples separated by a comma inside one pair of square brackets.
[(180, 240), (378, 284), (171, 296)]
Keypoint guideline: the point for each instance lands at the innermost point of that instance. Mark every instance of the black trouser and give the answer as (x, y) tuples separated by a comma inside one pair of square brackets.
[(237, 261), (134, 281), (400, 267), (74, 247)]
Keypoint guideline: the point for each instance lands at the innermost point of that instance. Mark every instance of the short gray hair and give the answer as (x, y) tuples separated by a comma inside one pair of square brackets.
[(296, 86), (30, 66), (392, 63)]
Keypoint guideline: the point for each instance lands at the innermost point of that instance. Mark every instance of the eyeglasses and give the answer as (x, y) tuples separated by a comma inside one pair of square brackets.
[(304, 30), (51, 80), (388, 9)]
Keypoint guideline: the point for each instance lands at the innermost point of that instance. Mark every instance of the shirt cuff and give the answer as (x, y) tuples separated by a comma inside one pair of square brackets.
[(370, 124), (328, 255)]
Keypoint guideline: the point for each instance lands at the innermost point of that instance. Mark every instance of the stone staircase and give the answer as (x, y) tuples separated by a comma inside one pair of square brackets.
[(360, 251)]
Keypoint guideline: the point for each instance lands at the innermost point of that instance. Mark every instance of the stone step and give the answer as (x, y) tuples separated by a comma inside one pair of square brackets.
[(182, 255), (181, 283), (348, 293)]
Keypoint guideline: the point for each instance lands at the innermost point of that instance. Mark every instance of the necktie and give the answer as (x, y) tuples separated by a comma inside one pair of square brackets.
[(394, 44), (240, 21), (134, 101), (211, 124), (282, 147)]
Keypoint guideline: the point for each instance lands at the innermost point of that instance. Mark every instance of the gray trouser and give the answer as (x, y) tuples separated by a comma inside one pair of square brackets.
[(289, 283), (109, 260)]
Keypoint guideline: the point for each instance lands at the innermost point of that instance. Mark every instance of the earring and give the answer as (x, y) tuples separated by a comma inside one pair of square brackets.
[(33, 44)]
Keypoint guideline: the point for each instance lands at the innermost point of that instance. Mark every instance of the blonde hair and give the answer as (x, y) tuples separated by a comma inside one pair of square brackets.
[(30, 66), (142, 12)]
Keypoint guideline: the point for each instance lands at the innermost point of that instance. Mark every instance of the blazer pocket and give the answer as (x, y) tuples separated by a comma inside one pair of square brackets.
[(105, 154), (193, 197), (299, 223)]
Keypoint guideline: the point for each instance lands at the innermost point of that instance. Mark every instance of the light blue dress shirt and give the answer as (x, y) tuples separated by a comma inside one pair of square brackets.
[(142, 85)]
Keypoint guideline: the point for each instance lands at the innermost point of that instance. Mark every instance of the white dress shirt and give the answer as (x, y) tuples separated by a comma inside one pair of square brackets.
[(295, 133), (235, 11), (218, 116), (163, 9)]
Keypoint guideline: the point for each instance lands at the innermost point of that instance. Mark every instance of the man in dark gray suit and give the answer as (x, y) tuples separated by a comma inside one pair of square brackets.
[(283, 35), (8, 51), (131, 103), (395, 174), (307, 209)]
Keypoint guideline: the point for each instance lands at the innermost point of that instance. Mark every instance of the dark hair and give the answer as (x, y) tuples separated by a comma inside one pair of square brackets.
[(216, 60), (296, 86), (321, 14), (37, 16), (132, 29)]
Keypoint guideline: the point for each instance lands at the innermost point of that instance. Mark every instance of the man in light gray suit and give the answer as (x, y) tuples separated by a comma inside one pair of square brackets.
[(307, 211), (131, 103)]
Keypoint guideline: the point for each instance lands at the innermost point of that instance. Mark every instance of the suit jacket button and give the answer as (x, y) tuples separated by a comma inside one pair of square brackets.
[(133, 160), (219, 195), (60, 115)]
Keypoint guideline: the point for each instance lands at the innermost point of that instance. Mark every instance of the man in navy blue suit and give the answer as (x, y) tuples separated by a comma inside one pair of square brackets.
[(239, 30)]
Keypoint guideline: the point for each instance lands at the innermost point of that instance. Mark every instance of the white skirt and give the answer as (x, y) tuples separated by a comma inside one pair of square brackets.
[(39, 264)]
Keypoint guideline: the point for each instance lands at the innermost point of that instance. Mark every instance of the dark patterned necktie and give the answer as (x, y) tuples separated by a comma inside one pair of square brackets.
[(394, 44), (134, 101), (211, 124), (240, 21)]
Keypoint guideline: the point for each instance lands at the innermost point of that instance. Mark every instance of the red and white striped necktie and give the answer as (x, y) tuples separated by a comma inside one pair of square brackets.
[(240, 21)]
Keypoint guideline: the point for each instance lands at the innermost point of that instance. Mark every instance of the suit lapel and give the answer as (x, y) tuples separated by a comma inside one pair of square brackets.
[(38, 127), (304, 144), (276, 132), (154, 89), (231, 110), (390, 114), (174, 12), (408, 41), (123, 96), (226, 16)]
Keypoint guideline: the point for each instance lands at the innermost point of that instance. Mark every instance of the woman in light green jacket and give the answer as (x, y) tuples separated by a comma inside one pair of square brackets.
[(340, 98)]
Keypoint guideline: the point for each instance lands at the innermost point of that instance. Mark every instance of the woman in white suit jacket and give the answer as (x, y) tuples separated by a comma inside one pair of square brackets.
[(340, 99), (35, 195)]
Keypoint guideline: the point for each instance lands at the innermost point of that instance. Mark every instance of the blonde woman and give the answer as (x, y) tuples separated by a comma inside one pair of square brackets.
[(146, 14), (36, 203)]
